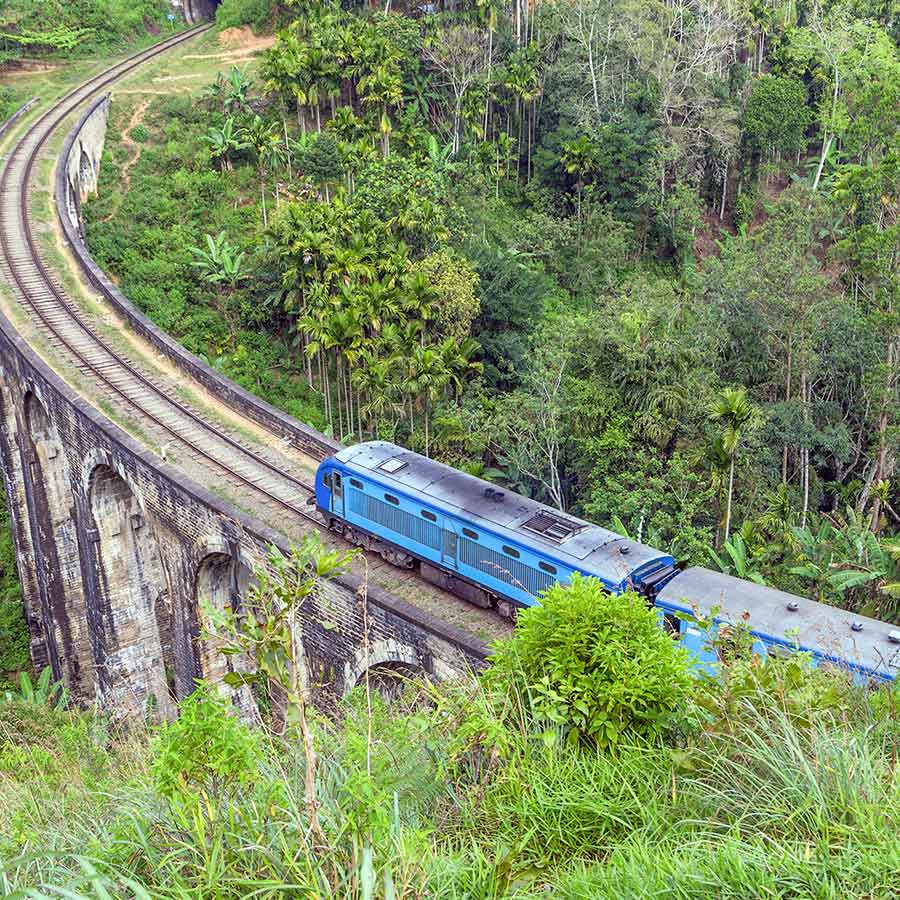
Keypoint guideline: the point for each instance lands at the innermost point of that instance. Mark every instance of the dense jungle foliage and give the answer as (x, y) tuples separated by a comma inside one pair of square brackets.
[(63, 28), (592, 781), (638, 260)]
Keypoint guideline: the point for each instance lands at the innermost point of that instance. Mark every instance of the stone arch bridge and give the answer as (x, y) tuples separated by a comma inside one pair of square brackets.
[(141, 482)]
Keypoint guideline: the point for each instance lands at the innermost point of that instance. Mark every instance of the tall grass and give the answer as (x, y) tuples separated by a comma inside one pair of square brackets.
[(455, 796)]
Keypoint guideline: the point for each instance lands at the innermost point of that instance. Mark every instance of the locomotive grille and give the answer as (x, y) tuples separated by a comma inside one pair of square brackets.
[(397, 520), (501, 567)]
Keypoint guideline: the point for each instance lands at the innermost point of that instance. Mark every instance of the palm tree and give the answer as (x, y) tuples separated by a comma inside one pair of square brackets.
[(890, 586), (425, 379), (734, 411), (266, 144), (382, 86), (579, 158), (458, 360)]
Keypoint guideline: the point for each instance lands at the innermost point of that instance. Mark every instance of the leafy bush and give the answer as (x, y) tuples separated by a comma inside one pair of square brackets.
[(235, 13), (596, 665), (206, 749), (14, 656)]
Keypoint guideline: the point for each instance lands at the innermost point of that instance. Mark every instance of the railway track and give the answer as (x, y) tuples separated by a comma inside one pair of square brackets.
[(266, 479)]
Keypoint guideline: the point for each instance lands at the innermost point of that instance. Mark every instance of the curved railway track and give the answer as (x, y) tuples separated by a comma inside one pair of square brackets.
[(61, 321), (266, 483)]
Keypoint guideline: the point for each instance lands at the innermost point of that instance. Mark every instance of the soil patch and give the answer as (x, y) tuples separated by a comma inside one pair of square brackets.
[(22, 68), (244, 39), (134, 151)]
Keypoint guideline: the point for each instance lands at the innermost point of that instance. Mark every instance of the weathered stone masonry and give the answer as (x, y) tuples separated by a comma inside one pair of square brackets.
[(116, 550)]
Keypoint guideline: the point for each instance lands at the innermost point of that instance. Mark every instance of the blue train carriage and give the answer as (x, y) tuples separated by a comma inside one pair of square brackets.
[(488, 545), (779, 622)]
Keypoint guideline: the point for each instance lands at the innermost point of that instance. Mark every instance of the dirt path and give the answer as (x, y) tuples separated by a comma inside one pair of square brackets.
[(134, 153)]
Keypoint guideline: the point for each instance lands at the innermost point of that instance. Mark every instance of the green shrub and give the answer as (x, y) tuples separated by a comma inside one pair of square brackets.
[(745, 208), (206, 749), (595, 664), (234, 13)]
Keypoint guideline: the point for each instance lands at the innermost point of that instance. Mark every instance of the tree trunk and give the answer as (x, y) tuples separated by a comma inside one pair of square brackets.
[(787, 397), (730, 492), (825, 148), (724, 191), (804, 453), (263, 192), (881, 461)]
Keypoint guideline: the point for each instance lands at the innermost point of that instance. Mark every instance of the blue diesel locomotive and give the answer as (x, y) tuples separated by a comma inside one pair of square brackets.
[(496, 548)]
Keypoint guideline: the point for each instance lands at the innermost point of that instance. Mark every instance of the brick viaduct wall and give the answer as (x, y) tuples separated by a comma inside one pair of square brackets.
[(117, 549)]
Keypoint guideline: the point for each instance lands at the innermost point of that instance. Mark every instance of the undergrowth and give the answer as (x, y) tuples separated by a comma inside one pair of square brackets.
[(753, 801)]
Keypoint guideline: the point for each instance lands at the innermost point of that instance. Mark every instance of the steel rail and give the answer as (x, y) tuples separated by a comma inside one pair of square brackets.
[(83, 93)]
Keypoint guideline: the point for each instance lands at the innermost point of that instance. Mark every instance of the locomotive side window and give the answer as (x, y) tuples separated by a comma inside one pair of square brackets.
[(429, 515), (470, 534), (550, 570), (672, 624), (511, 551), (356, 484), (392, 499)]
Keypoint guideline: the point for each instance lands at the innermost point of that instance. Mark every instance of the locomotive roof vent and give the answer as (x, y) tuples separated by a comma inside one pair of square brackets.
[(494, 494), (392, 465), (894, 637), (793, 605), (856, 626), (553, 527)]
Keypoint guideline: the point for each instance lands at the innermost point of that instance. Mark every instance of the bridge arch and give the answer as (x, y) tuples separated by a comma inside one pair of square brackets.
[(50, 503), (222, 578), (220, 581), (388, 663), (135, 597)]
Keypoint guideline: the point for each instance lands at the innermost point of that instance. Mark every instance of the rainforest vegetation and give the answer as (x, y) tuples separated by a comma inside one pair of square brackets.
[(40, 29), (572, 768), (637, 260)]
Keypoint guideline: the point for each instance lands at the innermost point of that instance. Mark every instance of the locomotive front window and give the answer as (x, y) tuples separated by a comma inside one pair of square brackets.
[(429, 515), (392, 499), (326, 479), (356, 484), (472, 535), (511, 551), (550, 570)]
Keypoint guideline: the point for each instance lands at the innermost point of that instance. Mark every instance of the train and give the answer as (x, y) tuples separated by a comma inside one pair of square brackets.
[(496, 548)]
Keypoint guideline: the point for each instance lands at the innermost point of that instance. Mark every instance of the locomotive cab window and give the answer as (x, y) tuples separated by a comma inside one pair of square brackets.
[(546, 567), (672, 624), (511, 551), (429, 515), (472, 535), (392, 499), (326, 479), (356, 483)]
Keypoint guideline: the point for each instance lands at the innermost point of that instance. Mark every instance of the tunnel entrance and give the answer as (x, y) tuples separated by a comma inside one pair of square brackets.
[(197, 11)]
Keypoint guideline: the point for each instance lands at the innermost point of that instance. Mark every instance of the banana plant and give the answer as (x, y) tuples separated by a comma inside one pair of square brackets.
[(42, 692)]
